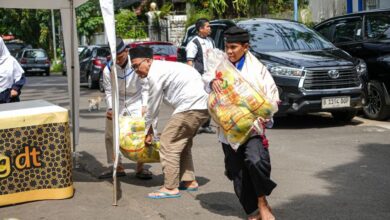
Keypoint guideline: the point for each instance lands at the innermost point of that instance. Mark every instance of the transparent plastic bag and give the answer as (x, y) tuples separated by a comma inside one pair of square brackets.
[(132, 141), (238, 105)]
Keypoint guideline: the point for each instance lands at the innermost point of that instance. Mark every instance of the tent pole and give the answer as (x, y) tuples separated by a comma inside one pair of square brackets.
[(73, 86)]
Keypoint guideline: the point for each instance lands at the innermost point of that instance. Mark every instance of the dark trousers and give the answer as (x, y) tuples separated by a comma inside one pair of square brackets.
[(249, 168)]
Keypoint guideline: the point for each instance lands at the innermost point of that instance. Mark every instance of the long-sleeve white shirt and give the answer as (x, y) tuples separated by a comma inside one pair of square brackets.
[(178, 85), (257, 75), (133, 91)]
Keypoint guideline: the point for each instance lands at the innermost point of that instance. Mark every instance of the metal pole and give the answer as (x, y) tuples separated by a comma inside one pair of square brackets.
[(296, 10), (54, 35)]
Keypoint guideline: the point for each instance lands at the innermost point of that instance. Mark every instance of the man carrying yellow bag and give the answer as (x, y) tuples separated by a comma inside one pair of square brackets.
[(243, 97)]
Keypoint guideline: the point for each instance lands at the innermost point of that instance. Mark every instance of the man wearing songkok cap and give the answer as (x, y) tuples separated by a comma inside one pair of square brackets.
[(133, 96), (181, 87), (249, 167)]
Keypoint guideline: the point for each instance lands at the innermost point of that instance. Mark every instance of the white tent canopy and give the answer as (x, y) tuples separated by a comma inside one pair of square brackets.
[(70, 43)]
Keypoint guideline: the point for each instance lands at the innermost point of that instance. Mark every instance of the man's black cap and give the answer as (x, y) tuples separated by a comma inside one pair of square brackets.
[(141, 52), (236, 35)]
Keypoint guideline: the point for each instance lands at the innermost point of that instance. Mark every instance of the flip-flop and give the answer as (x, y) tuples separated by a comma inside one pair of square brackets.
[(144, 175), (163, 195)]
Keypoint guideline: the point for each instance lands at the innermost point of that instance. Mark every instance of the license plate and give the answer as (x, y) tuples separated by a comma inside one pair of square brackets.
[(36, 69), (336, 102)]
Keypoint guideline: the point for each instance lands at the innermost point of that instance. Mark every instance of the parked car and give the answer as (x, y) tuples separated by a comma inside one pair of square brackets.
[(34, 61), (161, 50), (15, 46), (312, 75), (79, 50), (92, 60), (366, 35)]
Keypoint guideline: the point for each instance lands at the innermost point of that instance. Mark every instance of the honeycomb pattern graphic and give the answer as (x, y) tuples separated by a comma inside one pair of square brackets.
[(53, 143)]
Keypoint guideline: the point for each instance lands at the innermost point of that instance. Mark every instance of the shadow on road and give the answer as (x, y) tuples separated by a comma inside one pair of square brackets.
[(310, 121), (221, 203), (355, 190)]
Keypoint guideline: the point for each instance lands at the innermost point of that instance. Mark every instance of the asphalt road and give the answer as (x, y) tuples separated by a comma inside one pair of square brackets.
[(324, 170)]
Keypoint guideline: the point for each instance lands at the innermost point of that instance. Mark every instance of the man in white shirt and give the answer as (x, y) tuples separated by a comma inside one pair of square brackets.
[(181, 87), (133, 96), (248, 165), (196, 56)]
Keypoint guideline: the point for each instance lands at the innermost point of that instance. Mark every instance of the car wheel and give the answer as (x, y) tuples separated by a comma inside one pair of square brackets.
[(47, 73), (345, 116), (91, 83), (376, 107)]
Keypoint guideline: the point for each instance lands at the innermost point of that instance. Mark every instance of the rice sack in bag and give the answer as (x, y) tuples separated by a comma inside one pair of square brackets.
[(132, 141), (239, 104)]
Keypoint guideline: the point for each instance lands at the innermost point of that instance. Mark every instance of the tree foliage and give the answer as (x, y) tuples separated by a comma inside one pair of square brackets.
[(31, 26), (89, 19), (245, 8), (128, 26)]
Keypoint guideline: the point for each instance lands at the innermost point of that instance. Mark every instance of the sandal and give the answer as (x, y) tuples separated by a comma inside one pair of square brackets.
[(144, 174), (108, 174), (163, 195)]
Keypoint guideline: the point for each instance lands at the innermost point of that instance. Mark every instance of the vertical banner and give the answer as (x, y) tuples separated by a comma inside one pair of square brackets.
[(107, 8)]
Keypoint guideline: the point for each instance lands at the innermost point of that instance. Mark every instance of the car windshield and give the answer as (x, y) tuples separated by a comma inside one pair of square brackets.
[(160, 49), (284, 37), (103, 52), (34, 54)]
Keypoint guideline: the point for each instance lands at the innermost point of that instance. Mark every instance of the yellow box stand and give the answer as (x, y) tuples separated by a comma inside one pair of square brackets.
[(35, 152)]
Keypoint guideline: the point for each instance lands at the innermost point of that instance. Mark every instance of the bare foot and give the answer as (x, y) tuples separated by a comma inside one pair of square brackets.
[(265, 209), (189, 184)]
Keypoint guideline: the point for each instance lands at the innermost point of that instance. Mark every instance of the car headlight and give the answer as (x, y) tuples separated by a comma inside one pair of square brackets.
[(361, 68), (285, 71)]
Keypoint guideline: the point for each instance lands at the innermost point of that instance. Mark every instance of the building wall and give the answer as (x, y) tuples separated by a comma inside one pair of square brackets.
[(322, 10), (384, 4)]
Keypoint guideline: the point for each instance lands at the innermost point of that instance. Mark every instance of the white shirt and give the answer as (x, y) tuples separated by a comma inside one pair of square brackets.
[(192, 49), (133, 91), (257, 75), (178, 85), (10, 70)]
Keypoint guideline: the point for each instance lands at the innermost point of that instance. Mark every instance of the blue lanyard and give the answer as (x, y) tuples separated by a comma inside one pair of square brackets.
[(240, 63), (128, 74)]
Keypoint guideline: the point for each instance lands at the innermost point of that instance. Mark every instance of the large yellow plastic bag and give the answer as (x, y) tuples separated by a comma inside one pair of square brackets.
[(132, 141), (238, 105)]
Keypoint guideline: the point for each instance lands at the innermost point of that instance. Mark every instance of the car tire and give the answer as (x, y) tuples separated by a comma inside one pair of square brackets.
[(376, 107), (47, 73), (91, 84), (345, 116)]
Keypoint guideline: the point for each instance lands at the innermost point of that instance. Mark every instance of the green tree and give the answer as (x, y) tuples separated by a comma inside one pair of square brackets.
[(89, 19), (128, 26), (31, 26)]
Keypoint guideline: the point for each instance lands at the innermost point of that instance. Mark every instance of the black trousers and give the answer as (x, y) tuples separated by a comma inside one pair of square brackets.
[(249, 168)]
